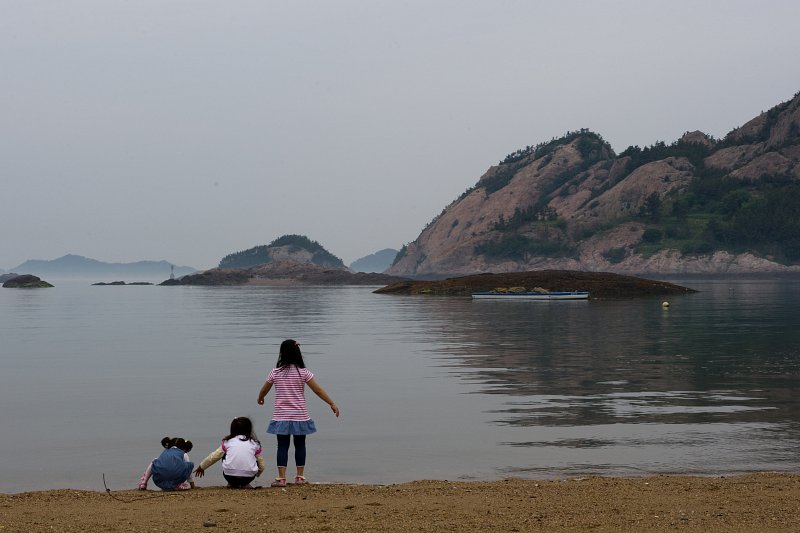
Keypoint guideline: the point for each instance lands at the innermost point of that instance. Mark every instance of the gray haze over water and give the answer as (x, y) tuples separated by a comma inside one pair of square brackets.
[(91, 378), (185, 131)]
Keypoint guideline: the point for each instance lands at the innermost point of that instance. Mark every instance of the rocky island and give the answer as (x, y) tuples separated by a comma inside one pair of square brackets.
[(288, 260), (283, 273), (26, 281), (600, 285)]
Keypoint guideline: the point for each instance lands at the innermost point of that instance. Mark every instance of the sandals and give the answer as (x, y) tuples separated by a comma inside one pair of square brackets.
[(281, 481)]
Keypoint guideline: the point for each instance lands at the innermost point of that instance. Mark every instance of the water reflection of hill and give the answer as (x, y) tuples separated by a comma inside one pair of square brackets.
[(729, 354)]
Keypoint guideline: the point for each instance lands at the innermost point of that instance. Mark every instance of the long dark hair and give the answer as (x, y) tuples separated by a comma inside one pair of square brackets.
[(241, 426), (290, 354)]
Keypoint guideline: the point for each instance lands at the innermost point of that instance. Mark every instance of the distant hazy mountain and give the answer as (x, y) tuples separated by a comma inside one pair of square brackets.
[(377, 262), (76, 266)]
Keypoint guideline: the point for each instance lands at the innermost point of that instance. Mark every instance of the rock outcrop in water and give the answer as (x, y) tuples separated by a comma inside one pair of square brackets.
[(120, 283), (599, 284), (26, 281)]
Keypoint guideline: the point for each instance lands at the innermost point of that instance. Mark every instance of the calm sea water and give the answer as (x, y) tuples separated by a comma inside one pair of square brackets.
[(91, 378)]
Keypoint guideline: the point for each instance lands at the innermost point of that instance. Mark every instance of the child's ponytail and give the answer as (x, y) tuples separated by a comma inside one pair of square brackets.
[(177, 442)]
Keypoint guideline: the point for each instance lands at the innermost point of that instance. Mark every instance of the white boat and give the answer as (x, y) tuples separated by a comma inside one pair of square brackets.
[(575, 295)]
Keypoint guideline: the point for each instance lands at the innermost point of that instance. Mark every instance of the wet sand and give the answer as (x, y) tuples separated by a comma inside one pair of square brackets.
[(751, 503)]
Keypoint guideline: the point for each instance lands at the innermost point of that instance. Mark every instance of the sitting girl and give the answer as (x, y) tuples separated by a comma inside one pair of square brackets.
[(171, 470), (240, 453)]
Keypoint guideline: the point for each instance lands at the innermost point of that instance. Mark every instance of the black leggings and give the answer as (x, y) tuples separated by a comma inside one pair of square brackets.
[(238, 482), (299, 450)]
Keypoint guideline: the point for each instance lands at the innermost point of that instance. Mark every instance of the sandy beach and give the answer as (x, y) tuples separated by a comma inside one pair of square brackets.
[(752, 503)]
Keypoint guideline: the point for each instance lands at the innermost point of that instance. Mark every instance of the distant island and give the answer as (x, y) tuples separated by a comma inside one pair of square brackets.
[(287, 260), (377, 262), (79, 267)]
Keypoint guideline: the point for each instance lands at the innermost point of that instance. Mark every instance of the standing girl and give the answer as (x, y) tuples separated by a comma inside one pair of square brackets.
[(240, 453), (290, 415)]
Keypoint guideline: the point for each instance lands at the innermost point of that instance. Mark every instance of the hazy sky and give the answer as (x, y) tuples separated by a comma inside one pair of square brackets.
[(186, 130)]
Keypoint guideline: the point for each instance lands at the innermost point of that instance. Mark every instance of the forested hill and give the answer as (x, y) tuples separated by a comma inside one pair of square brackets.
[(296, 248), (696, 205)]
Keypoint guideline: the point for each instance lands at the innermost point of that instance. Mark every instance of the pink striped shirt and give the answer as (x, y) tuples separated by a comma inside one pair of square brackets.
[(290, 398)]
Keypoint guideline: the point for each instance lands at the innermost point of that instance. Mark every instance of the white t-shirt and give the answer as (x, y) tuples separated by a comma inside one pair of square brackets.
[(240, 456)]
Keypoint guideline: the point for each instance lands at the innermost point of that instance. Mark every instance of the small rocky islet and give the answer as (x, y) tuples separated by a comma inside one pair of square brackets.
[(26, 281), (119, 283)]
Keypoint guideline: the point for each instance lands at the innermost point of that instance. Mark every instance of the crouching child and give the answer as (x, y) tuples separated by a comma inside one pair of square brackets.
[(240, 452), (172, 470)]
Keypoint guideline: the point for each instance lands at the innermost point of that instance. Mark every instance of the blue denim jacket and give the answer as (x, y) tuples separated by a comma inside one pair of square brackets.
[(170, 470)]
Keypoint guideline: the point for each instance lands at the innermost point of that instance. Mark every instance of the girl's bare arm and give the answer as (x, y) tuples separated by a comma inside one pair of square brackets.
[(319, 391), (263, 392)]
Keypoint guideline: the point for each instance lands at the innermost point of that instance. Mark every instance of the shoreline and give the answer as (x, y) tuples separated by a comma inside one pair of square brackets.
[(746, 502)]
